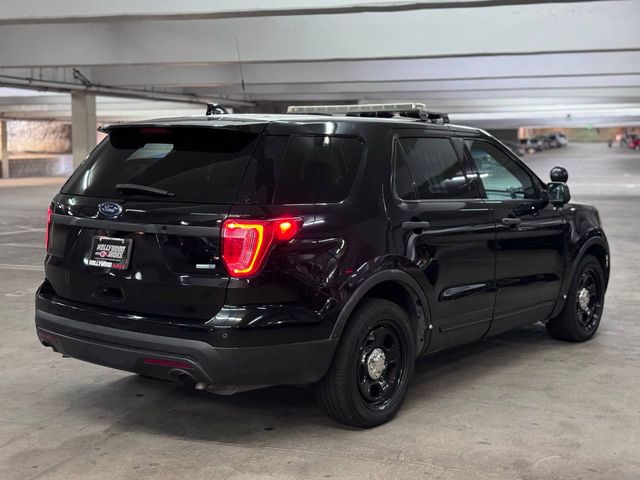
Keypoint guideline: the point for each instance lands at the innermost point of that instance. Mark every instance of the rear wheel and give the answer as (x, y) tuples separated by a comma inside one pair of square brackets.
[(580, 317), (372, 367)]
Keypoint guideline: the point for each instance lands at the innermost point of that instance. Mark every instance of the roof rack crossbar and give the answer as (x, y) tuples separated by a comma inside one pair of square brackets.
[(380, 110)]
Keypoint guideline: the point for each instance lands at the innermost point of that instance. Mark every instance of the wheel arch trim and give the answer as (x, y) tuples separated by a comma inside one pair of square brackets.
[(392, 275), (596, 238)]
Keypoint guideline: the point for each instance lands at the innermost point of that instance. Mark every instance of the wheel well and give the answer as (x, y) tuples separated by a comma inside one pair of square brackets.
[(600, 253), (408, 301)]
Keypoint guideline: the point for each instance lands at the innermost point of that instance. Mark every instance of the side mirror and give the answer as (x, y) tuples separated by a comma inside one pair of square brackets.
[(558, 193), (559, 174)]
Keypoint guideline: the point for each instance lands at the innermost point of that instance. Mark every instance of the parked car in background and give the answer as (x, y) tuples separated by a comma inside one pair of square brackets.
[(633, 142), (531, 145), (557, 140), (627, 140), (543, 140), (516, 147), (563, 139)]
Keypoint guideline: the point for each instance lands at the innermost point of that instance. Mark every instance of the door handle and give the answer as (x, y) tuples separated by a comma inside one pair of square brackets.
[(512, 222), (415, 225)]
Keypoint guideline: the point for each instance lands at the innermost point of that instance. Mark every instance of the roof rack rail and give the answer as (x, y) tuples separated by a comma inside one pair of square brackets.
[(381, 110), (216, 109)]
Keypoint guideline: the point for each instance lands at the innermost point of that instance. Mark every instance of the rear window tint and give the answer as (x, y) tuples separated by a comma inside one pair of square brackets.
[(428, 168), (303, 170), (196, 164)]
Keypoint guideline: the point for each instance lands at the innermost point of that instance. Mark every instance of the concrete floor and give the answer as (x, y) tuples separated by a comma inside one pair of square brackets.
[(518, 406)]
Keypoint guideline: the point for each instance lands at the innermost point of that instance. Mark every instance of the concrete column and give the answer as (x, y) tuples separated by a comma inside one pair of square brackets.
[(83, 125), (4, 149)]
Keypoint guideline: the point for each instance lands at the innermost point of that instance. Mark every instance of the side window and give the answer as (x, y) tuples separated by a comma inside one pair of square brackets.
[(301, 170), (428, 168), (318, 169), (502, 178)]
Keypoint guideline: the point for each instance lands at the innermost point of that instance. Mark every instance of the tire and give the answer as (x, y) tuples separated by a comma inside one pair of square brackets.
[(352, 391), (579, 319)]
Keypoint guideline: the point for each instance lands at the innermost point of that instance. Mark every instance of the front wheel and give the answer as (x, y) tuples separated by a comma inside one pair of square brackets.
[(580, 317), (372, 367)]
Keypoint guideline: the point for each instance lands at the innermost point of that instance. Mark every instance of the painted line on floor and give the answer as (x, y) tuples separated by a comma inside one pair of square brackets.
[(23, 245), (30, 268), (17, 232)]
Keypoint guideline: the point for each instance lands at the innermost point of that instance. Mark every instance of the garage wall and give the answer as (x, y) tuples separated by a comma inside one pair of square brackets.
[(582, 134), (38, 137)]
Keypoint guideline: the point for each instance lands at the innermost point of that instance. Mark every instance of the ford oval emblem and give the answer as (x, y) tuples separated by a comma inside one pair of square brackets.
[(109, 209)]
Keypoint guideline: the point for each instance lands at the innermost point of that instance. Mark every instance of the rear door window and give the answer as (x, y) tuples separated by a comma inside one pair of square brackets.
[(194, 164), (428, 168), (302, 170)]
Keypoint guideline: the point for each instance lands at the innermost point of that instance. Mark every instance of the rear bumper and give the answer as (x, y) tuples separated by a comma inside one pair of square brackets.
[(172, 358)]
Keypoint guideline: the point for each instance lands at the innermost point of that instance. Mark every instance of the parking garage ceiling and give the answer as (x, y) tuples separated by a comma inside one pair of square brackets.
[(492, 63)]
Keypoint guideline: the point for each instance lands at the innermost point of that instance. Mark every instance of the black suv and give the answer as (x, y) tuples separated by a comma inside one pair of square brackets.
[(240, 251)]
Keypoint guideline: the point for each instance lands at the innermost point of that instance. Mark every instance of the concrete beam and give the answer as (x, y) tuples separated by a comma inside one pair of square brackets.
[(599, 95), (451, 85), (71, 11), (415, 69), (83, 125), (106, 90), (359, 89), (112, 107), (359, 78), (565, 115), (559, 27)]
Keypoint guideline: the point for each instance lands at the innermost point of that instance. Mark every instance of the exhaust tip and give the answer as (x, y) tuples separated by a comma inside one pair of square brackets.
[(182, 376)]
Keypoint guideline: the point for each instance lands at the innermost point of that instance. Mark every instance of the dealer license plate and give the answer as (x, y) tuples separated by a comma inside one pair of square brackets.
[(108, 252)]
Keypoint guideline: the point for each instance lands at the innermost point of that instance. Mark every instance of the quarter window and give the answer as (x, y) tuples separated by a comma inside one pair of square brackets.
[(318, 170), (428, 168), (501, 176), (302, 170)]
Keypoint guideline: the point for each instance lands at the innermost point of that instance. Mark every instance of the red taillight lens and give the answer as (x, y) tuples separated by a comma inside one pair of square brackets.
[(246, 243), (46, 238), (168, 363)]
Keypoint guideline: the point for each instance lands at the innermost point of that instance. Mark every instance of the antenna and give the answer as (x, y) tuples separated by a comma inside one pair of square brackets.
[(216, 109)]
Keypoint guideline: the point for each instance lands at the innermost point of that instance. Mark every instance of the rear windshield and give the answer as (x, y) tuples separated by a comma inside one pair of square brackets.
[(302, 170), (193, 164)]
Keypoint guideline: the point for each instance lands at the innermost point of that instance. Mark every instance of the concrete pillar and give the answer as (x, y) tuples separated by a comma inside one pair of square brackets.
[(4, 149), (83, 125)]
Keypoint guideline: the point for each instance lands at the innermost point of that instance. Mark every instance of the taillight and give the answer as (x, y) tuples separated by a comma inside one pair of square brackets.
[(246, 243), (46, 238)]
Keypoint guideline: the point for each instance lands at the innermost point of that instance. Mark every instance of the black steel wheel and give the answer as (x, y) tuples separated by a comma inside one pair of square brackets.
[(372, 368), (580, 317), (381, 363), (588, 300)]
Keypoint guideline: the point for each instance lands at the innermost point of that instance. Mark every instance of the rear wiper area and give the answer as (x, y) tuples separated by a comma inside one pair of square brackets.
[(143, 190)]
